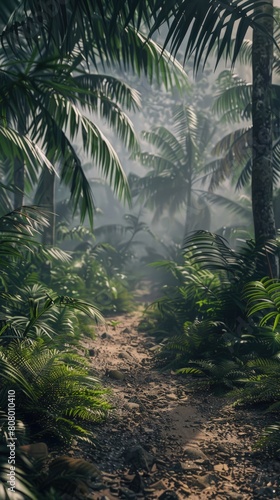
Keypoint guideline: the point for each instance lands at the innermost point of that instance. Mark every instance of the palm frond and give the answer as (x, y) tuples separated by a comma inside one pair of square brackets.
[(24, 486), (13, 145), (231, 205), (186, 120), (118, 90), (245, 52), (66, 474), (157, 162), (245, 175), (207, 24), (90, 28), (219, 254), (236, 150), (53, 254), (16, 235), (233, 102), (164, 140), (270, 438), (100, 149)]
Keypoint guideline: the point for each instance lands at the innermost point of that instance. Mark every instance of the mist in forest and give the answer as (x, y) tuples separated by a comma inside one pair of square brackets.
[(158, 109), (222, 207)]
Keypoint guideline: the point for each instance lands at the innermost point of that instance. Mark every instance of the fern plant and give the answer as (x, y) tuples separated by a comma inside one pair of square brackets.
[(264, 296), (109, 293), (263, 384), (222, 320), (203, 316), (220, 376), (270, 438), (37, 311), (56, 395)]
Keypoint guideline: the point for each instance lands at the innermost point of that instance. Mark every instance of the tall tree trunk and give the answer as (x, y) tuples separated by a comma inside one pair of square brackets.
[(262, 178)]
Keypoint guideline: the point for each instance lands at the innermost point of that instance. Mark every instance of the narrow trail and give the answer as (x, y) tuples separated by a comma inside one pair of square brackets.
[(162, 439)]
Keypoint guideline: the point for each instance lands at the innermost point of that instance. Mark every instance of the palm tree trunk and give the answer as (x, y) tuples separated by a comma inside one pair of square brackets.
[(262, 178)]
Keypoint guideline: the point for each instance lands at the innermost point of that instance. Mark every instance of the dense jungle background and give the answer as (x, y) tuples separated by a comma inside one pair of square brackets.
[(139, 249)]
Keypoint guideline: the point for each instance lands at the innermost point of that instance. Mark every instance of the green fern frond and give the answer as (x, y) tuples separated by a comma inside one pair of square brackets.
[(270, 438), (262, 295), (190, 371), (54, 396)]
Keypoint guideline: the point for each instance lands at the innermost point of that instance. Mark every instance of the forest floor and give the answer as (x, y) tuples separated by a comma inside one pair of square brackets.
[(165, 440)]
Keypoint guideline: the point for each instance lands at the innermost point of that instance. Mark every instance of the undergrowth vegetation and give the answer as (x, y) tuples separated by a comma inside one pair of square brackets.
[(58, 398), (218, 321), (104, 266)]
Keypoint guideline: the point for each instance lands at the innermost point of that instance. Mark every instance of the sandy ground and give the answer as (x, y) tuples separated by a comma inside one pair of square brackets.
[(165, 440)]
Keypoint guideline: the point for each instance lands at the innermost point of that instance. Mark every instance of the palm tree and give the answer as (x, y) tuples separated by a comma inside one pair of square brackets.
[(40, 99), (177, 170), (255, 146), (206, 23), (36, 61), (109, 32), (41, 95), (99, 30)]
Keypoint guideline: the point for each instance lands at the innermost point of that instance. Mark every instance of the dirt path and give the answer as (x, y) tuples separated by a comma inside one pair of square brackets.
[(164, 441)]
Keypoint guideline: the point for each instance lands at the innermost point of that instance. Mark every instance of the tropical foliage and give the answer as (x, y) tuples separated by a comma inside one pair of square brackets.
[(177, 171), (55, 392), (37, 328), (218, 321), (63, 475), (40, 99), (47, 86), (57, 397), (101, 263), (51, 79), (233, 151), (58, 24)]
